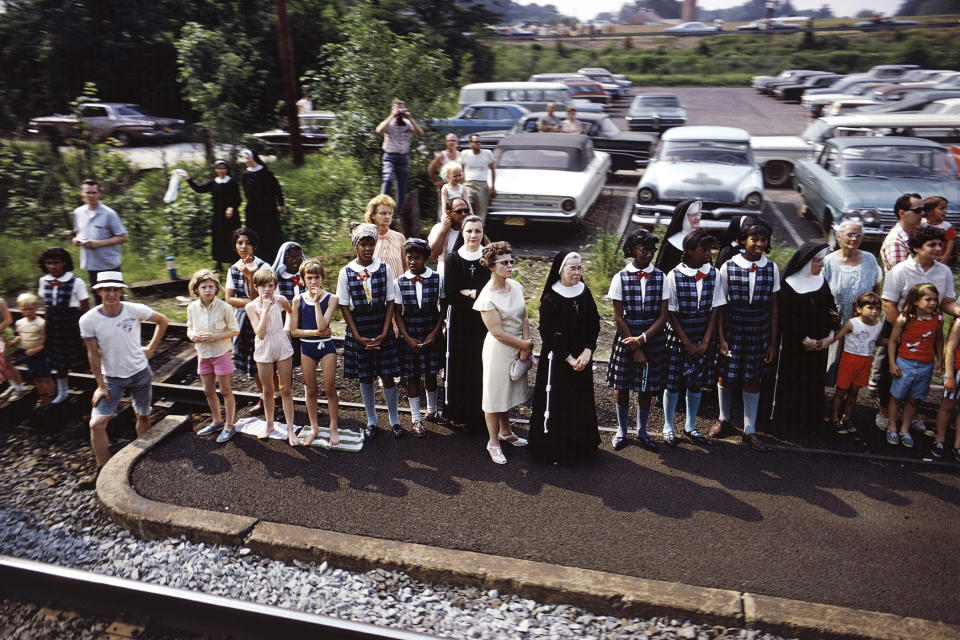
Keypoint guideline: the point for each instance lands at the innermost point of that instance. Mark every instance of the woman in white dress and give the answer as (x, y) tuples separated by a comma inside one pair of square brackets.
[(504, 313)]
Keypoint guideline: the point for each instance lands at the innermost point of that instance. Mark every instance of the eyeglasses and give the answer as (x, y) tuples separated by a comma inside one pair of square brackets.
[(915, 210), (460, 210), (509, 262), (852, 235)]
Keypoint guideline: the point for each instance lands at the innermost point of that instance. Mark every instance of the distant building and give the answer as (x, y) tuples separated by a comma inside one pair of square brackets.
[(689, 11), (644, 16)]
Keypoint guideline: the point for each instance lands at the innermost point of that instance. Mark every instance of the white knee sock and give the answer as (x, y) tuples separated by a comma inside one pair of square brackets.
[(432, 402), (693, 406), (63, 391), (670, 399), (623, 420), (750, 403), (369, 402), (725, 399), (415, 409), (391, 395)]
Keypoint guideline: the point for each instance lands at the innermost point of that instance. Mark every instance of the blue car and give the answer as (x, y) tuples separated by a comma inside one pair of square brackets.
[(480, 117)]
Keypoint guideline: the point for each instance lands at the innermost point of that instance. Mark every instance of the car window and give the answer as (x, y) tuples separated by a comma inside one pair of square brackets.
[(128, 111), (829, 159), (499, 113), (94, 112), (530, 125), (894, 161), (718, 151), (660, 101), (470, 113), (533, 159)]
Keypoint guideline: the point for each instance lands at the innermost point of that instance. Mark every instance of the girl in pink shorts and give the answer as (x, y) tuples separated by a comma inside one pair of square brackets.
[(211, 323)]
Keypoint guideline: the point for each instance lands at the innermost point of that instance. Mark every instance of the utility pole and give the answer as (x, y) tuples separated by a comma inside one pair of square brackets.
[(285, 46)]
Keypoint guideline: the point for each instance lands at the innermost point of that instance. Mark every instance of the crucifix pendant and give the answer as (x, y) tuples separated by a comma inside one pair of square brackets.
[(472, 267), (576, 307)]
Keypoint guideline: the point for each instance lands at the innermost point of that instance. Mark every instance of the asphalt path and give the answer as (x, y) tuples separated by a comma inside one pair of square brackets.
[(851, 532)]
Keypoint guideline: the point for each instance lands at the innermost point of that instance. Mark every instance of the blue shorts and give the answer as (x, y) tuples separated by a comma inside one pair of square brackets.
[(317, 350), (138, 386), (915, 381), (37, 366)]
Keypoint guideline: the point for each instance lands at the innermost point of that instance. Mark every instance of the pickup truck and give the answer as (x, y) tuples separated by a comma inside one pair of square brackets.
[(125, 123)]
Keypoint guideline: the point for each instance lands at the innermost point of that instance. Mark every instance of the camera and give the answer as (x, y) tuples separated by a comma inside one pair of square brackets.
[(401, 113)]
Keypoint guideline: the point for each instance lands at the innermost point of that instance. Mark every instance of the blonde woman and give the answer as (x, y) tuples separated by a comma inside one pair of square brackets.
[(389, 242)]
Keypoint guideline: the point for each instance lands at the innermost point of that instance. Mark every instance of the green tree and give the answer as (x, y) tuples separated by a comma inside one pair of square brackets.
[(216, 77)]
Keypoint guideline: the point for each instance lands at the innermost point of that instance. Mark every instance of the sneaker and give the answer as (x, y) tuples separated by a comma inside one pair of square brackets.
[(893, 438), (906, 440), (936, 450), (210, 428), (838, 427), (18, 393), (882, 422), (226, 434), (920, 426), (847, 426)]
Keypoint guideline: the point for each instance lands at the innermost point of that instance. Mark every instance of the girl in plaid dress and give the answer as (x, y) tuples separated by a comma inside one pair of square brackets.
[(66, 299), (638, 360), (367, 292), (420, 325), (690, 290), (747, 292), (240, 291)]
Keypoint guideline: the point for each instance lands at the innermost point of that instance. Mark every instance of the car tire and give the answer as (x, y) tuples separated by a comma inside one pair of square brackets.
[(123, 139), (776, 174)]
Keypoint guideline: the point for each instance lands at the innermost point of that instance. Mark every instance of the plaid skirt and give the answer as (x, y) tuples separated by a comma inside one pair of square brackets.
[(623, 374), (429, 361), (64, 345), (243, 346), (685, 371), (748, 337), (361, 364)]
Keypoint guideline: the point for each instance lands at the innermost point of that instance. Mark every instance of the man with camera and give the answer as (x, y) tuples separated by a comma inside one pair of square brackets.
[(395, 130)]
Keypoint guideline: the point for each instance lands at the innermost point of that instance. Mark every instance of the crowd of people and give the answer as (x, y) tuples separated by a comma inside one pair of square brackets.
[(686, 322)]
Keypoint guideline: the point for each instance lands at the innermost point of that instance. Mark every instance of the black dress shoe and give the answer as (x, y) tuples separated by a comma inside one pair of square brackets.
[(647, 442), (669, 439), (370, 431), (397, 431), (697, 437)]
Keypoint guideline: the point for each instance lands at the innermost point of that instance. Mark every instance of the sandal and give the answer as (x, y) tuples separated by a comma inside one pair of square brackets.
[(513, 439), (257, 407), (496, 454), (418, 430)]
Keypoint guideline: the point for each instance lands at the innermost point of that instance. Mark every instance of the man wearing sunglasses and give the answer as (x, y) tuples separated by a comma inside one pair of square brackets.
[(445, 236), (896, 246)]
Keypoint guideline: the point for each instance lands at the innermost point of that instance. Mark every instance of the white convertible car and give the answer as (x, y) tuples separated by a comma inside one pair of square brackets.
[(546, 177)]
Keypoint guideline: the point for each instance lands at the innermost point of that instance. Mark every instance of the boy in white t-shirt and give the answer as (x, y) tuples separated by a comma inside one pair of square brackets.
[(111, 334), (862, 332)]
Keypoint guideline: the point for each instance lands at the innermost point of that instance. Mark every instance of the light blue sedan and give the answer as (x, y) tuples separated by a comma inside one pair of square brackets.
[(860, 178), (480, 117)]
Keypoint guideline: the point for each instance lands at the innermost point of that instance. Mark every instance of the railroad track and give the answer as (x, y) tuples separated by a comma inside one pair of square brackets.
[(167, 608)]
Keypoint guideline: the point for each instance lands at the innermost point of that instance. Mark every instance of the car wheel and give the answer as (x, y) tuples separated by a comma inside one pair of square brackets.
[(776, 174), (123, 139)]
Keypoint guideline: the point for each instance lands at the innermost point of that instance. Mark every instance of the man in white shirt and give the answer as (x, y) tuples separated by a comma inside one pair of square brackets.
[(111, 334), (395, 164), (480, 176)]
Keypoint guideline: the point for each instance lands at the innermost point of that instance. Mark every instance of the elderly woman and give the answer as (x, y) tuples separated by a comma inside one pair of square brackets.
[(849, 272), (389, 242), (264, 203), (504, 313), (464, 277), (563, 426), (226, 210)]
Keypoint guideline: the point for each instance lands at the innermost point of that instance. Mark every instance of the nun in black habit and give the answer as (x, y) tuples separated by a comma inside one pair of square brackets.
[(264, 204), (226, 211), (686, 218), (808, 319), (563, 425)]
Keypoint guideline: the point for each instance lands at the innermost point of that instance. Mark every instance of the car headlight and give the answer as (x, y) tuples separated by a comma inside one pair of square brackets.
[(646, 195), (754, 200), (568, 204), (866, 216)]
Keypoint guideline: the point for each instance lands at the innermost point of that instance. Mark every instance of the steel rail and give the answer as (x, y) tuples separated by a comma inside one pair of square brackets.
[(178, 609)]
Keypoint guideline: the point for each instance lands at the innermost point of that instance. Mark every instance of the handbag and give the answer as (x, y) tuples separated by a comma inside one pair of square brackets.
[(519, 368)]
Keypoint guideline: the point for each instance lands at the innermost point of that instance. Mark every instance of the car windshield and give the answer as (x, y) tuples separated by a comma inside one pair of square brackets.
[(130, 112), (718, 151), (893, 161), (581, 88), (658, 101), (557, 159)]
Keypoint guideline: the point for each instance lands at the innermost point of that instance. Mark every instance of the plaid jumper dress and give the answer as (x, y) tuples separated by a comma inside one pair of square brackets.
[(639, 312), (243, 342), (359, 363), (420, 321), (684, 371), (746, 324), (64, 345)]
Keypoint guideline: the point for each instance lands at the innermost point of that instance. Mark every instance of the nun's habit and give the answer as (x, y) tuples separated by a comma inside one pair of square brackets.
[(805, 305), (671, 251), (730, 242), (264, 197), (569, 323), (226, 194)]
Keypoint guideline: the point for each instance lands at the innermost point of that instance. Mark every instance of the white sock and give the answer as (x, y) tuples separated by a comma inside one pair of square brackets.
[(415, 409), (432, 402), (725, 399), (63, 391), (750, 403)]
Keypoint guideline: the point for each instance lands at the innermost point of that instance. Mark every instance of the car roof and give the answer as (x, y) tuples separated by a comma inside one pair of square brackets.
[(892, 120), (699, 132), (879, 141), (656, 95), (495, 104), (512, 85), (544, 141), (583, 116)]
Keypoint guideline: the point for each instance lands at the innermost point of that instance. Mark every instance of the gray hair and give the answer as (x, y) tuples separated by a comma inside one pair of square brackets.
[(848, 223)]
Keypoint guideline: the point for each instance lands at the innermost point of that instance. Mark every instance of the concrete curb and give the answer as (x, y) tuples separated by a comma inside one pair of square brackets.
[(597, 591)]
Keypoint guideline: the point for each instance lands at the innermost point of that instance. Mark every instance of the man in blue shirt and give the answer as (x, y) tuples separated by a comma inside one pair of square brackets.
[(99, 234)]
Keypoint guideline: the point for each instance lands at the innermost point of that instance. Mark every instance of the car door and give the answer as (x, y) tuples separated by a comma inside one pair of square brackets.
[(597, 167), (471, 121), (97, 119), (500, 118)]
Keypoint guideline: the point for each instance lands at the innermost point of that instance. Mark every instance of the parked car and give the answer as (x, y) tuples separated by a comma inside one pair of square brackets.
[(480, 117), (944, 107), (712, 164), (589, 91), (800, 76), (531, 95), (627, 150), (546, 177), (815, 103), (610, 84), (656, 111), (313, 131), (860, 179), (125, 123), (619, 78), (693, 29), (845, 106), (760, 82), (769, 25), (793, 92), (884, 22), (912, 102)]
